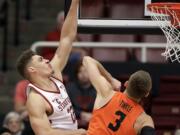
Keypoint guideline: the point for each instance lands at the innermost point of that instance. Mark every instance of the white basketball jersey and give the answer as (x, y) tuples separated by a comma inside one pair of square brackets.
[(63, 115)]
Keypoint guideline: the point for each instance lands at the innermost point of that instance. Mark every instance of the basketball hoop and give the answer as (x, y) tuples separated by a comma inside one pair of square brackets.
[(167, 16)]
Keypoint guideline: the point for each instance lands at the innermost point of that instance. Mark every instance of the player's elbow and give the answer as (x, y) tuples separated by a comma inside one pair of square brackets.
[(71, 36), (41, 130), (86, 60), (66, 41)]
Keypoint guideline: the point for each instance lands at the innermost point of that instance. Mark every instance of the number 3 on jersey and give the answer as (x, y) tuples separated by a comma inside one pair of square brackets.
[(114, 127)]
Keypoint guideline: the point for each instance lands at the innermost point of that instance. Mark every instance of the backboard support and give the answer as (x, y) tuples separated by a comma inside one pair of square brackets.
[(123, 24)]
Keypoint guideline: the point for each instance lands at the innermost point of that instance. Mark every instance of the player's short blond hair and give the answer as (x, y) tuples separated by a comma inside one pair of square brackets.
[(139, 84)]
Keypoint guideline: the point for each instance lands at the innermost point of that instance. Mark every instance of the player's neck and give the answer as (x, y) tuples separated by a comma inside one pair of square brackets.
[(42, 82), (134, 99)]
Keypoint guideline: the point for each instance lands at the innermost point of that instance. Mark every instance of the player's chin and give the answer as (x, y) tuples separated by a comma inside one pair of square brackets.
[(52, 72), (49, 71)]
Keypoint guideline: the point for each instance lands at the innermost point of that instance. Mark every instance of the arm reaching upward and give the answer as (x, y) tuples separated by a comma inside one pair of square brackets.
[(116, 84), (99, 77), (68, 35)]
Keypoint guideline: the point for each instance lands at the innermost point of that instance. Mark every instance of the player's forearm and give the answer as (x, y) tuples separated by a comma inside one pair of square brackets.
[(116, 84), (69, 28), (104, 72)]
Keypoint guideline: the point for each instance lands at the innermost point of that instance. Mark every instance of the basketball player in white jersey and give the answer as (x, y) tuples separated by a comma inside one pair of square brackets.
[(49, 107)]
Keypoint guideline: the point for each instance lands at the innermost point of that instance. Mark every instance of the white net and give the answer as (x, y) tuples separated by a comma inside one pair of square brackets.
[(169, 22)]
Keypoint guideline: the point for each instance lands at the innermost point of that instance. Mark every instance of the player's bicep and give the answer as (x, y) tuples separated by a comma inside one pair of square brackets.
[(103, 86), (39, 125), (37, 115)]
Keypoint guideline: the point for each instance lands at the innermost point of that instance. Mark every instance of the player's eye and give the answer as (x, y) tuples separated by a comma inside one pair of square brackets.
[(40, 58)]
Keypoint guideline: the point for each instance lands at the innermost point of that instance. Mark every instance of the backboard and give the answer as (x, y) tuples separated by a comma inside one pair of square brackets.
[(116, 17)]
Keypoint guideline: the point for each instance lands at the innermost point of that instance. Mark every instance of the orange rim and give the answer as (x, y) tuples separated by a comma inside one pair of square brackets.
[(169, 5), (162, 8)]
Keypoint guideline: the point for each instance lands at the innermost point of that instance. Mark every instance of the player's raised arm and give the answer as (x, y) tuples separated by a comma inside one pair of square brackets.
[(68, 35), (116, 84), (99, 77)]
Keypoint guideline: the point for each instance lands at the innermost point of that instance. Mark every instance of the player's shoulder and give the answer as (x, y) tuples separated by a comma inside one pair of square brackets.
[(142, 121), (33, 96), (35, 100), (145, 119), (56, 73)]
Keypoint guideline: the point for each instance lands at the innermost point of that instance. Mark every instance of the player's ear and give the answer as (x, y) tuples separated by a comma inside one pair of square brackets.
[(126, 84), (147, 94), (31, 69)]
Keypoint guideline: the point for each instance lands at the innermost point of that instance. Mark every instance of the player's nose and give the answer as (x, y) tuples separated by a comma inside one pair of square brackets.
[(46, 60)]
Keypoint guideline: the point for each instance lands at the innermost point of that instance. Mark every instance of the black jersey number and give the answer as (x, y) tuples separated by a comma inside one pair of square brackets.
[(114, 127)]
